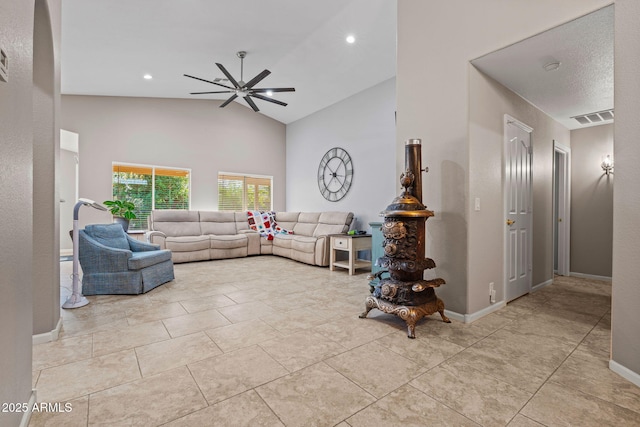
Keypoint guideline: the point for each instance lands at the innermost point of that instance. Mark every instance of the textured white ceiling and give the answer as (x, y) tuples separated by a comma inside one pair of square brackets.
[(583, 83), (107, 46)]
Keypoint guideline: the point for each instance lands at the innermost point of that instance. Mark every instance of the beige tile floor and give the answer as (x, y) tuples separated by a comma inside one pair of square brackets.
[(267, 341)]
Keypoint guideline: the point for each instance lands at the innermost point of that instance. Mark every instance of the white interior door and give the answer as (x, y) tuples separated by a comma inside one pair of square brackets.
[(518, 208)]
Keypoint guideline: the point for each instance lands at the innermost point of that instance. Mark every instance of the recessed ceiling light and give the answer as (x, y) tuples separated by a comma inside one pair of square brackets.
[(147, 76), (351, 39)]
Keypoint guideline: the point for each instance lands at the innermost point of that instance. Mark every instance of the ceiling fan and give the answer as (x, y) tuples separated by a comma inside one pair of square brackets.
[(242, 89)]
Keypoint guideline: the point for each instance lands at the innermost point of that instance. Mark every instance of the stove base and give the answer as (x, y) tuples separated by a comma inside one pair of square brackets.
[(410, 314)]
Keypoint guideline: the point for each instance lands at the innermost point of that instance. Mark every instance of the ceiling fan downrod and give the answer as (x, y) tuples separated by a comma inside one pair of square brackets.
[(241, 54)]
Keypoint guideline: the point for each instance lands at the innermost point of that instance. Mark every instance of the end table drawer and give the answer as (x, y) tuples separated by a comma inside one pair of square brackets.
[(342, 243)]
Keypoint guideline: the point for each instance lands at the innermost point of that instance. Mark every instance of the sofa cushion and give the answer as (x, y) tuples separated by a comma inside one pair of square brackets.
[(140, 260), (187, 243), (176, 222), (111, 235), (242, 222), (304, 244), (307, 223), (333, 223), (228, 242), (287, 220), (283, 240), (213, 222)]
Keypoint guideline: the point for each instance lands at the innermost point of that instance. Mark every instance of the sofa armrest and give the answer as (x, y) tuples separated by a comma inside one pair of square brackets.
[(139, 246), (96, 257), (156, 238)]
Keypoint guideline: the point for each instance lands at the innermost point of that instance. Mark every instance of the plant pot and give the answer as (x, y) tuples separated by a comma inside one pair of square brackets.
[(122, 221)]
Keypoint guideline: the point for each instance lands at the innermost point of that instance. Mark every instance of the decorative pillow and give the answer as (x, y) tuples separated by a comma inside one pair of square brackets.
[(265, 224)]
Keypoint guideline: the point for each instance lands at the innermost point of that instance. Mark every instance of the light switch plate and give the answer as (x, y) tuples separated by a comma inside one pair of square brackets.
[(4, 66), (477, 207)]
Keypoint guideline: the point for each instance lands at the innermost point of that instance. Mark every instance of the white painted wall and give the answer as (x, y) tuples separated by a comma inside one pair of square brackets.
[(591, 201), (183, 133), (436, 41), (626, 197), (364, 125)]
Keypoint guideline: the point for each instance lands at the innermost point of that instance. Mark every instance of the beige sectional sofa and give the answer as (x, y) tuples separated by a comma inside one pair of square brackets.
[(208, 235)]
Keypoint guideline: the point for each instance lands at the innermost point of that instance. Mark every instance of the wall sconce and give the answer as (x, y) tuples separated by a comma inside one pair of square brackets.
[(607, 164)]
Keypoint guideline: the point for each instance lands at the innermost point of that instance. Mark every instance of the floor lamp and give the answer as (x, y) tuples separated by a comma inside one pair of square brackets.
[(77, 299)]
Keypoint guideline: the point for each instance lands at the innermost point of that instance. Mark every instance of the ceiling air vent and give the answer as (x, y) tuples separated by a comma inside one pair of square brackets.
[(601, 116)]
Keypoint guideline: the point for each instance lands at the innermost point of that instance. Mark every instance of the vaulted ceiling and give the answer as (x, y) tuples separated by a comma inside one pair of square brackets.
[(108, 46)]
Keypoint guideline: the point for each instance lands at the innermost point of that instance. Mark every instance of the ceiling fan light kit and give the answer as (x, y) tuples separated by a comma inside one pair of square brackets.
[(241, 89)]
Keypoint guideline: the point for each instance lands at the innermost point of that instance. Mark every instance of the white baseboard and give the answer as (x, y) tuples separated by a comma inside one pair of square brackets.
[(454, 315), (468, 318), (541, 285), (26, 416), (625, 373), (48, 336), (590, 276)]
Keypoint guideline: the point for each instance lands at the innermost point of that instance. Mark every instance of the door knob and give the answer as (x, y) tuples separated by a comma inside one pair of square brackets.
[(510, 222)]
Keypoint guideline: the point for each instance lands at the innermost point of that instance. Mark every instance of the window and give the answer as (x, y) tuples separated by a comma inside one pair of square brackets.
[(151, 187), (244, 192)]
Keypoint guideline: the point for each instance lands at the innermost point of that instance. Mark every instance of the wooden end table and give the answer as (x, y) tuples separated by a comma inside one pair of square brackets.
[(350, 244)]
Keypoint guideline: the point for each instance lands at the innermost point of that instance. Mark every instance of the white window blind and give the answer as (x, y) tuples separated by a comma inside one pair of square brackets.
[(244, 192)]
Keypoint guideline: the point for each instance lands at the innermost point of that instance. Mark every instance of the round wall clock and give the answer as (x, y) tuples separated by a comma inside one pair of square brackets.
[(335, 174)]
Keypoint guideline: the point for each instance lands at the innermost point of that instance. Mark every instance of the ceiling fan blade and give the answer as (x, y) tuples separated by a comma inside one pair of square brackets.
[(229, 76), (225, 103), (274, 89), (257, 78), (217, 91), (208, 81), (251, 103), (266, 98)]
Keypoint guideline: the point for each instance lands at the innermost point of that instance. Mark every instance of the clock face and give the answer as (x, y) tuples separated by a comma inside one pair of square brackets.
[(335, 174)]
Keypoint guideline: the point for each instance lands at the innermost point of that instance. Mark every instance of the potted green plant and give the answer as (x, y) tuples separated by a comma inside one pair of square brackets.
[(122, 212)]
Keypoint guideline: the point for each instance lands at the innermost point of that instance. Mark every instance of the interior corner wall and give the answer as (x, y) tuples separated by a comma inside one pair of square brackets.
[(363, 125), (436, 41), (591, 201), (489, 101), (16, 246), (183, 133), (625, 316)]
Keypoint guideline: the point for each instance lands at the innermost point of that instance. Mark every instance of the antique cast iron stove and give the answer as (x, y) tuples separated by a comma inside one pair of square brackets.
[(405, 293)]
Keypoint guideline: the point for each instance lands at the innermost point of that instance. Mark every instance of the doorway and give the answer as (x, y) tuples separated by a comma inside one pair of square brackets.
[(68, 168), (518, 190), (561, 208)]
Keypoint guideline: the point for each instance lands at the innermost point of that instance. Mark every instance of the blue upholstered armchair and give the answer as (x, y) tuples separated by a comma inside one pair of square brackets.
[(114, 263)]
